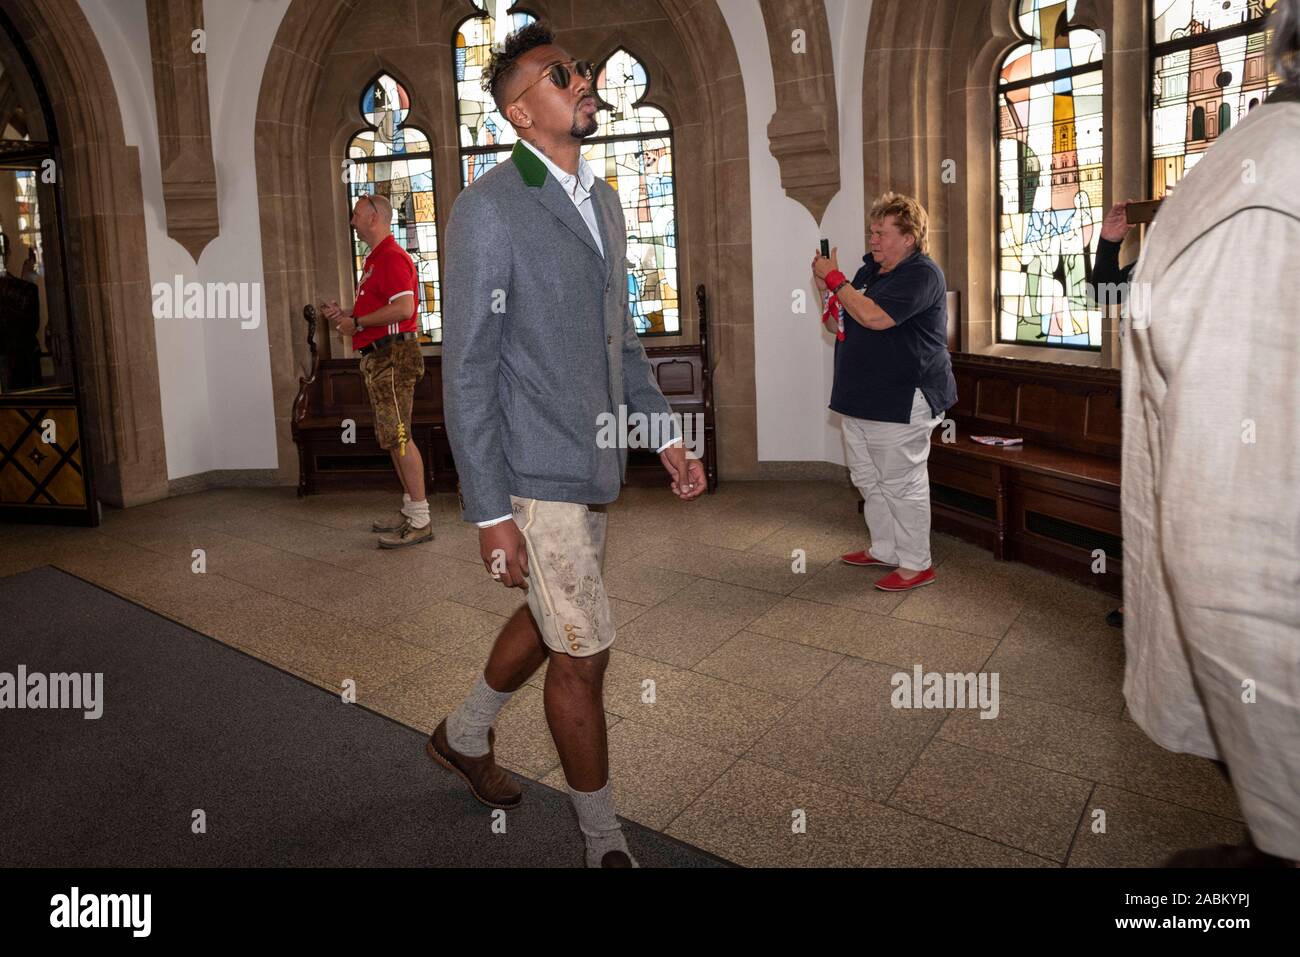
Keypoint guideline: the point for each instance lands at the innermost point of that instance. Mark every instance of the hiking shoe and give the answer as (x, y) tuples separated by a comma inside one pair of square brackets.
[(392, 523), (406, 535)]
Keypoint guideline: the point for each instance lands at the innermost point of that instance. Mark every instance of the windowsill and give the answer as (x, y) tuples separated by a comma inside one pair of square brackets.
[(1074, 357)]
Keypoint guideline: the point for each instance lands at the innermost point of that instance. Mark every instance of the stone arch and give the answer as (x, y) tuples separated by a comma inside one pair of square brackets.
[(301, 106), (930, 99), (108, 262)]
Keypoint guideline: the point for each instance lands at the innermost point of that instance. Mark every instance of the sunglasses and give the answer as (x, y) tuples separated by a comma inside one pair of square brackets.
[(558, 73)]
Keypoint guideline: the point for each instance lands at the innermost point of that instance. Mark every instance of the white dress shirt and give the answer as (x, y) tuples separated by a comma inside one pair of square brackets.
[(578, 188)]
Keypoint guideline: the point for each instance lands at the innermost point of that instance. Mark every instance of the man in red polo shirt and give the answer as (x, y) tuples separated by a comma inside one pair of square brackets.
[(385, 332)]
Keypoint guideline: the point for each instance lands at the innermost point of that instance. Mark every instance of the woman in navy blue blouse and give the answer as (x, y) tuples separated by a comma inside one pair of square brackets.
[(893, 383)]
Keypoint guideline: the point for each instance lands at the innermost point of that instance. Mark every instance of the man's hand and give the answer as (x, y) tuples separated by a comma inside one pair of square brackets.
[(344, 324), (688, 479), (504, 553), (821, 266), (1116, 225)]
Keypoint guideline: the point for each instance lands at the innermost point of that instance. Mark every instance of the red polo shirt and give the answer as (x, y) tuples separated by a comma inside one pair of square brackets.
[(388, 274)]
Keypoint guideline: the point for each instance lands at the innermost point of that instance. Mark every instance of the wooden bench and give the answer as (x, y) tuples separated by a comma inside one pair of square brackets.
[(1052, 502), (334, 391), (685, 377)]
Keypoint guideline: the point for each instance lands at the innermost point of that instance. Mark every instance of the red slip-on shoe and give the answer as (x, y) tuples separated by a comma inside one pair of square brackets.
[(864, 558), (894, 582)]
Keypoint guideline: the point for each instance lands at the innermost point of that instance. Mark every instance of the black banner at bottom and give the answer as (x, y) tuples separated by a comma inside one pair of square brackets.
[(130, 906)]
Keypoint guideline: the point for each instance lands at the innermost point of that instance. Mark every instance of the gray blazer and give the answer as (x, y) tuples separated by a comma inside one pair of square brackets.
[(538, 341)]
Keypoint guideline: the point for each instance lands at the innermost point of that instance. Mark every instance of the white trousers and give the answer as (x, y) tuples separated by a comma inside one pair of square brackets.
[(887, 462)]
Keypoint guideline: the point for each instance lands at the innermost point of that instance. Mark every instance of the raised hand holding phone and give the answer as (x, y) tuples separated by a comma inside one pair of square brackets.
[(829, 278)]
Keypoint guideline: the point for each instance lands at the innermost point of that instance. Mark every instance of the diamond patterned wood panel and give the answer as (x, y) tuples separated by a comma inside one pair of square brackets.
[(37, 472)]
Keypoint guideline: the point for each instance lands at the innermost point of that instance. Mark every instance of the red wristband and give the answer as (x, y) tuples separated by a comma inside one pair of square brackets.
[(835, 279)]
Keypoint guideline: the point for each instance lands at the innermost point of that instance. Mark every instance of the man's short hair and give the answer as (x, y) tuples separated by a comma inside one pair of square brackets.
[(501, 66), (382, 205)]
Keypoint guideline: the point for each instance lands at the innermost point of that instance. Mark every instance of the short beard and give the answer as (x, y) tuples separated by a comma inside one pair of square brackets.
[(579, 131)]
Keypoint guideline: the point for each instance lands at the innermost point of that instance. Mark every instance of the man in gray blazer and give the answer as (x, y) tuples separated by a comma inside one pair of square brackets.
[(539, 353)]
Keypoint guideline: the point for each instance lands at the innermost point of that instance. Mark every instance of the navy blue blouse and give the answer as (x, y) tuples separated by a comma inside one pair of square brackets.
[(878, 371)]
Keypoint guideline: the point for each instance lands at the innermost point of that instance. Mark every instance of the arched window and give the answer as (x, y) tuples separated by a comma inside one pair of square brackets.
[(633, 150), (485, 136), (1204, 51), (393, 160), (1049, 179)]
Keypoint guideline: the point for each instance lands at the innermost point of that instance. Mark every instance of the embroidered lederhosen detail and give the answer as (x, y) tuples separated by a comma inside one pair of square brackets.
[(583, 594), (565, 592)]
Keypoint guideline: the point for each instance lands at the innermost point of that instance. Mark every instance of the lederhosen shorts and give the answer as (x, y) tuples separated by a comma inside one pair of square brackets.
[(566, 587), (391, 375)]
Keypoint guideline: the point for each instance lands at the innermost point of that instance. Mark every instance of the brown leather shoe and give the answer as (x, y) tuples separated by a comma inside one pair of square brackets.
[(616, 859), (406, 535), (485, 778)]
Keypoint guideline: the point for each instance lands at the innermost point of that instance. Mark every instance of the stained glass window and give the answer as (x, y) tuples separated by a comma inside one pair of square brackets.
[(633, 150), (1210, 69), (393, 160), (485, 135), (1049, 180), (29, 216)]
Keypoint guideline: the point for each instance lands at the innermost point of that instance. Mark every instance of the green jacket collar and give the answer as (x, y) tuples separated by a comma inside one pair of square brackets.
[(532, 169)]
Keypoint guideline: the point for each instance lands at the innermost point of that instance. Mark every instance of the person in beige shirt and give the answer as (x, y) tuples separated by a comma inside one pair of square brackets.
[(1211, 490)]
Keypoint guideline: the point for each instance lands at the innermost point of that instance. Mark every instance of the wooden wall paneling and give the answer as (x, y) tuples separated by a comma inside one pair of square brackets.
[(1036, 406), (1102, 418), (995, 400)]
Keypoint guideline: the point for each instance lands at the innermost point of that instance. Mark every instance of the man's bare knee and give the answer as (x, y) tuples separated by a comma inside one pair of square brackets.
[(588, 672)]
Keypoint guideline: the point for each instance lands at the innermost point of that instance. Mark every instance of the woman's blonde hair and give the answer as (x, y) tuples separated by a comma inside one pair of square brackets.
[(910, 216)]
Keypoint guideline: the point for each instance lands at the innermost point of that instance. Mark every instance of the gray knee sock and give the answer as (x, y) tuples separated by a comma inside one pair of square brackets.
[(467, 726), (599, 825)]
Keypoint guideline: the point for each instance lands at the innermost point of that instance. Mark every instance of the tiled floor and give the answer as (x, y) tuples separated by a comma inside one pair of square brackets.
[(749, 703)]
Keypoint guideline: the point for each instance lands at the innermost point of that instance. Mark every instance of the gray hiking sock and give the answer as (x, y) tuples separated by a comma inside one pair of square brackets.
[(467, 726), (598, 823)]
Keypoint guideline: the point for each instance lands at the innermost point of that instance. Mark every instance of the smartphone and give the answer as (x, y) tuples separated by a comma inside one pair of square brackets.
[(1143, 212), (826, 248)]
